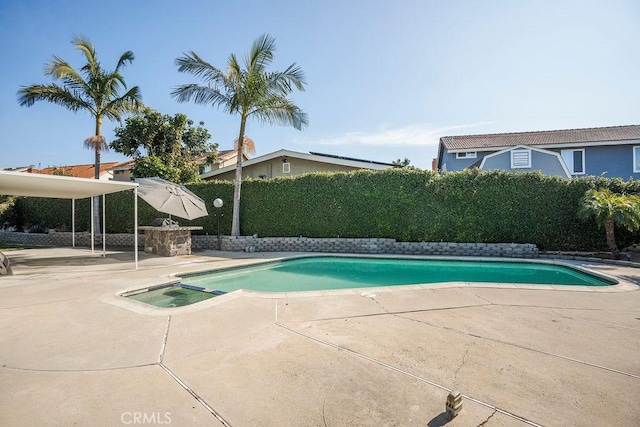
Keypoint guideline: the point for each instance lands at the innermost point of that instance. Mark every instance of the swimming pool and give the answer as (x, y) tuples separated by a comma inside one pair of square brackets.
[(329, 272)]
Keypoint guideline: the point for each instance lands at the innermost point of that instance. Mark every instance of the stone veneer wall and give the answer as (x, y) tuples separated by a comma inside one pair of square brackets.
[(294, 244), (171, 242)]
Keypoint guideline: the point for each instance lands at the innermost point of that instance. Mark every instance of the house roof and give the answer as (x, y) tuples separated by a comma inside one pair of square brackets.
[(225, 154), (124, 166), (333, 156), (542, 138), (315, 157), (78, 171)]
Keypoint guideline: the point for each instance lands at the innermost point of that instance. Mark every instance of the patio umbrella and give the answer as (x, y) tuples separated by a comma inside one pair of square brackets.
[(170, 198)]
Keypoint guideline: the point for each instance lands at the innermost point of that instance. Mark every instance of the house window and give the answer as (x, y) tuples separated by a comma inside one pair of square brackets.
[(286, 167), (467, 155), (636, 159), (520, 159), (574, 160)]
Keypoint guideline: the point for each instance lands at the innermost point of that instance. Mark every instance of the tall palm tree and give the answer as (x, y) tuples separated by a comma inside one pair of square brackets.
[(252, 91), (91, 89), (610, 209)]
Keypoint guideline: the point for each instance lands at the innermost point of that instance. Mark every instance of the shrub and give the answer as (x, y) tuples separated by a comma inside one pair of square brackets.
[(407, 205)]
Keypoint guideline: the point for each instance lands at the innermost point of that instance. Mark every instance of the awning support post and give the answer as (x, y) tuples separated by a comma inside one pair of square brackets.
[(135, 224), (73, 223), (104, 227), (92, 229)]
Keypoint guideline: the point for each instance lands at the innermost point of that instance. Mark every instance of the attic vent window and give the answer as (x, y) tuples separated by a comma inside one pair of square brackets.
[(520, 159), (286, 167), (467, 155)]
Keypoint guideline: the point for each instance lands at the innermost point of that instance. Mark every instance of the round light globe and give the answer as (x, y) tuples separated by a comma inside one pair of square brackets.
[(218, 203)]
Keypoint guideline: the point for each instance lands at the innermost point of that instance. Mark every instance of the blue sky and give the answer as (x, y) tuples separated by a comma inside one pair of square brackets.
[(385, 78)]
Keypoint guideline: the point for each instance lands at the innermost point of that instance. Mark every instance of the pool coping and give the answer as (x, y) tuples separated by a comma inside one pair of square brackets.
[(120, 301)]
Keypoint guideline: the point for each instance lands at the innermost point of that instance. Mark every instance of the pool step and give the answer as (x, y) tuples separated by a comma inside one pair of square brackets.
[(201, 289)]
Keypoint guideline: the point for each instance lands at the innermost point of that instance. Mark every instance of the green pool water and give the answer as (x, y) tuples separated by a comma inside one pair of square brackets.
[(171, 296), (323, 273)]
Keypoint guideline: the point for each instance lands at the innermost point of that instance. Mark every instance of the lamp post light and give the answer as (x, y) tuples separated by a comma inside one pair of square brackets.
[(217, 203)]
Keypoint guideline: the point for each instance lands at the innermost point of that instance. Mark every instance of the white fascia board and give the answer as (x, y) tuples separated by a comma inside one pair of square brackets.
[(466, 150)]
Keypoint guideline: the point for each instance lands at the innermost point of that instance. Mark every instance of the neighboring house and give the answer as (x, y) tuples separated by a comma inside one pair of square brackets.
[(608, 151), (28, 169), (225, 158), (292, 163), (123, 171), (81, 171)]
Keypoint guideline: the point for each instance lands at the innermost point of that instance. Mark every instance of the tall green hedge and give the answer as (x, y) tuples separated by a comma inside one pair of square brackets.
[(469, 206)]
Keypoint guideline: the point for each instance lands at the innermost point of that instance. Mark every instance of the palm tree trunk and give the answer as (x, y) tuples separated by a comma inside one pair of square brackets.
[(611, 238), (235, 222), (96, 199)]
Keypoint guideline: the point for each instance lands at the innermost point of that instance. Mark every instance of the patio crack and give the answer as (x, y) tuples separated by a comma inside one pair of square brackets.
[(611, 325), (393, 368), (195, 396), (488, 418), (464, 359), (559, 356), (478, 296), (182, 383)]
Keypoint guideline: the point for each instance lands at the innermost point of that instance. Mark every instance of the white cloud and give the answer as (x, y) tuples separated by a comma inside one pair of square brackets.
[(417, 135)]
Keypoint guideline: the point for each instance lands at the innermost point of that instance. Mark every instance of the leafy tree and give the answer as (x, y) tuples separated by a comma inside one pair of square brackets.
[(91, 89), (610, 209), (165, 146), (252, 91)]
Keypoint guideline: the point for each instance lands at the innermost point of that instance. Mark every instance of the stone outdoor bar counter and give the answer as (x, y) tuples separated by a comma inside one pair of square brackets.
[(168, 241)]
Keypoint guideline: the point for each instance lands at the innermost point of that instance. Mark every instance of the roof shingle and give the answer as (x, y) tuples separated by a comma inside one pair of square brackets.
[(548, 137), (79, 171)]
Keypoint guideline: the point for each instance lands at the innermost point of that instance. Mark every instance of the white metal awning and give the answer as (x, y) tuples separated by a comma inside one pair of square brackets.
[(66, 187), (57, 187)]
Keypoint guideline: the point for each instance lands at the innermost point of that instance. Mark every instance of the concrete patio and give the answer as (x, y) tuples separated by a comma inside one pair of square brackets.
[(74, 353)]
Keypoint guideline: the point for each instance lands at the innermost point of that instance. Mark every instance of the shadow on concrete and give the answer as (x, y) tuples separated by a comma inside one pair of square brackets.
[(440, 420)]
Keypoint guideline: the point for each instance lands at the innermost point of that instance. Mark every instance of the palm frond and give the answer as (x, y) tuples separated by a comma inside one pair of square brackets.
[(130, 102), (200, 95), (261, 53), (28, 95), (83, 44), (113, 83), (281, 111), (193, 64), (234, 70), (603, 204), (58, 68), (125, 58)]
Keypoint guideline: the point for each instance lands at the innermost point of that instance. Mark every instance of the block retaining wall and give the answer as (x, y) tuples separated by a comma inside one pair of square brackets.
[(62, 239), (366, 246), (292, 244)]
